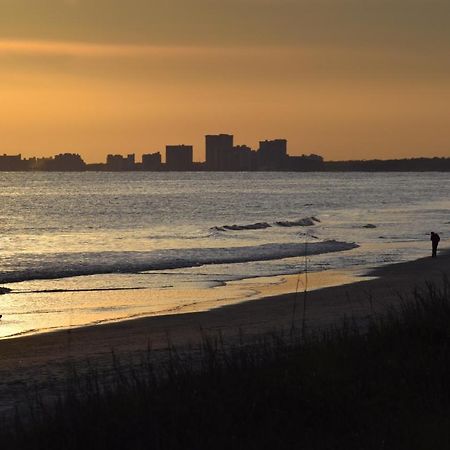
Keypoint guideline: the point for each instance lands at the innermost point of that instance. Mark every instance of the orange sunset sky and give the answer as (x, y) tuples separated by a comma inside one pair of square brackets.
[(342, 78)]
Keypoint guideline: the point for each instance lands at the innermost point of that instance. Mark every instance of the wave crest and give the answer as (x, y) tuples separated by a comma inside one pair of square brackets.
[(63, 265), (304, 222)]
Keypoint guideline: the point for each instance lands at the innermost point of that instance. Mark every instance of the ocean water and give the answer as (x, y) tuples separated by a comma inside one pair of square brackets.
[(84, 248)]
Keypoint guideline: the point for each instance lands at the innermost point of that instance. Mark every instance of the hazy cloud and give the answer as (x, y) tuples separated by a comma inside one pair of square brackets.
[(338, 77), (198, 64), (374, 23)]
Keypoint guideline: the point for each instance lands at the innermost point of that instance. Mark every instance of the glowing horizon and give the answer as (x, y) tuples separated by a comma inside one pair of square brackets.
[(333, 78)]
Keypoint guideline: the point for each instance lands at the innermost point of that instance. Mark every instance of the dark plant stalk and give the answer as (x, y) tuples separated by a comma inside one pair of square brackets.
[(305, 291)]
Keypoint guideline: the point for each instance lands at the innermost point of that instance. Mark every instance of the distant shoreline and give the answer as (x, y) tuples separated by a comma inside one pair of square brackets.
[(69, 162), (445, 169)]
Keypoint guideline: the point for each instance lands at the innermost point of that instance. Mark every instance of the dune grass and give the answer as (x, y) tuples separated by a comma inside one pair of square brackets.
[(384, 385)]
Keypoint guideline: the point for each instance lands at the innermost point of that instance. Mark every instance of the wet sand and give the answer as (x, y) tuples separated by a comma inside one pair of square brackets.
[(42, 359)]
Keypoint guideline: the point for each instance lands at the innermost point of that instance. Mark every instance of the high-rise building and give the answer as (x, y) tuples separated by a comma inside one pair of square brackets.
[(179, 157), (219, 152), (130, 162), (151, 161), (244, 158), (119, 163), (12, 162), (67, 162), (305, 163), (272, 155)]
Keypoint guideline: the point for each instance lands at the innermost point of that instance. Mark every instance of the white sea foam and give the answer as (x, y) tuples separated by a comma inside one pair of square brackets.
[(62, 265)]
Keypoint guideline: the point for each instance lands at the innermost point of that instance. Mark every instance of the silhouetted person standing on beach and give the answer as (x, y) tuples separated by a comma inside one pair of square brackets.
[(434, 243)]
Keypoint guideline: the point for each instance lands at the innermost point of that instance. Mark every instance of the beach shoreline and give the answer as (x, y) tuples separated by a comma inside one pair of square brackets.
[(36, 359), (223, 294)]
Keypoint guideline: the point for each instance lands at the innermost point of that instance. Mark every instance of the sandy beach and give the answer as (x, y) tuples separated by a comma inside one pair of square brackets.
[(42, 359)]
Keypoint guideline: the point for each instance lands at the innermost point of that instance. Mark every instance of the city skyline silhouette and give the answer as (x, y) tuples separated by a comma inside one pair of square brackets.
[(221, 155)]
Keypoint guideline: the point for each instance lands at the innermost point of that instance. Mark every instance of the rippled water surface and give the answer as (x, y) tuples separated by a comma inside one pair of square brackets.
[(165, 233)]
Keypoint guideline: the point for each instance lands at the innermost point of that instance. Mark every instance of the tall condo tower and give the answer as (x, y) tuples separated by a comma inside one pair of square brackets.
[(219, 151)]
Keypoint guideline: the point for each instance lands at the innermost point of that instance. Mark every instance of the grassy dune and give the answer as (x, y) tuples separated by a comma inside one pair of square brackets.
[(381, 385)]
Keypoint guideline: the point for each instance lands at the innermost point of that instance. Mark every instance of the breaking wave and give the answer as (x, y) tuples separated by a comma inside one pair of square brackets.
[(252, 226), (63, 265), (305, 222)]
